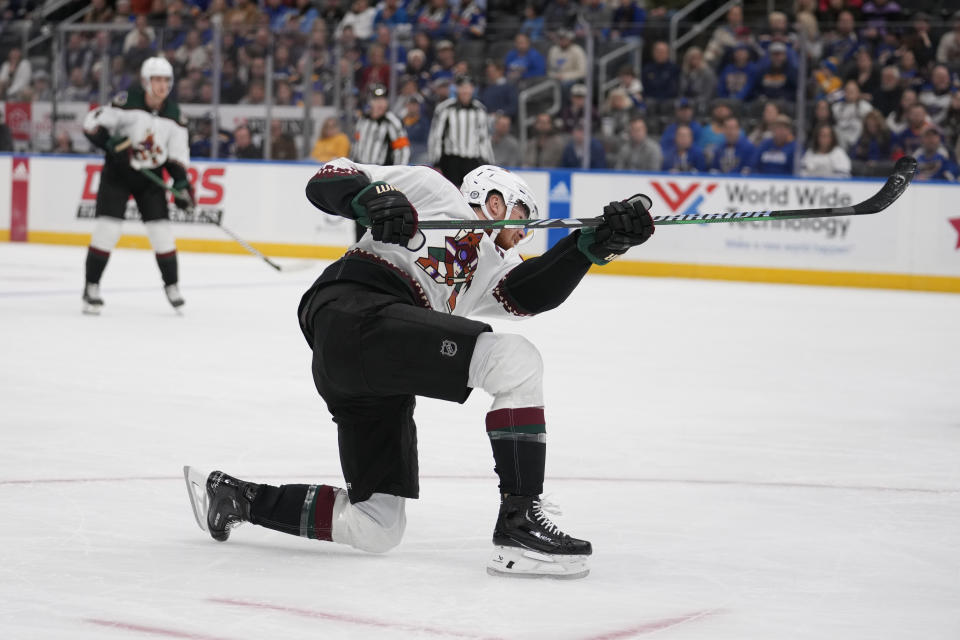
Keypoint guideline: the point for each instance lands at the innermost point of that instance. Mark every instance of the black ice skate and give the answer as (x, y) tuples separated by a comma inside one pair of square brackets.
[(220, 502), (528, 545), (92, 302), (173, 295)]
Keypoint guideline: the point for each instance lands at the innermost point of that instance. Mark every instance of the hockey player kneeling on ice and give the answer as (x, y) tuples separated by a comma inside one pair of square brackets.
[(142, 129), (387, 322)]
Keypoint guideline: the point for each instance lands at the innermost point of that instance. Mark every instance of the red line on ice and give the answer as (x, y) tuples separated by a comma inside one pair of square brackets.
[(338, 617), (156, 631), (650, 627)]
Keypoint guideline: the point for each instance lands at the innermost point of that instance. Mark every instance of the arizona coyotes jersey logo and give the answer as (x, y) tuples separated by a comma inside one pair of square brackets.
[(454, 264), (149, 151)]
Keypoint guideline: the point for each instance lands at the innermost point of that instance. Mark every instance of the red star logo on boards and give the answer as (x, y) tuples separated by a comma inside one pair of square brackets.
[(956, 225)]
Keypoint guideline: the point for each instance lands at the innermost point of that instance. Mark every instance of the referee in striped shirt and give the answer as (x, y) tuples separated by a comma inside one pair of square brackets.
[(459, 139), (380, 137)]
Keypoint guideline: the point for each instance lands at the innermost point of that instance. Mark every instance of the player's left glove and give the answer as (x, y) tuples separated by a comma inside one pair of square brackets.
[(387, 212), (119, 148), (183, 196), (626, 223)]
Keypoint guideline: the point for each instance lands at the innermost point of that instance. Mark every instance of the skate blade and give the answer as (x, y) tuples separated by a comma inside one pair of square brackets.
[(515, 562), (92, 309), (197, 490)]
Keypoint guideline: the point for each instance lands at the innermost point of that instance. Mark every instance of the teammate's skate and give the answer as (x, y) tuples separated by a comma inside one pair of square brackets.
[(220, 502), (528, 545), (173, 295), (92, 302)]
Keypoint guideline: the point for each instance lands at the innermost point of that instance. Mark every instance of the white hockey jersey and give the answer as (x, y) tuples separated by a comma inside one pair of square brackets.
[(156, 136), (455, 271)]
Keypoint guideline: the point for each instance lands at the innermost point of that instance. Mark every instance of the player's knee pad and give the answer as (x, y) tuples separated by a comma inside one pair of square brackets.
[(106, 233), (375, 525), (161, 236), (508, 367)]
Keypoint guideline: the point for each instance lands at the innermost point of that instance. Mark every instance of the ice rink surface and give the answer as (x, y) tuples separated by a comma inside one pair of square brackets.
[(750, 462)]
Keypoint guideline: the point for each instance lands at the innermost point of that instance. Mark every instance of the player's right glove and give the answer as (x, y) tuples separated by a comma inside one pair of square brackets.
[(387, 212), (626, 223), (183, 194), (119, 148)]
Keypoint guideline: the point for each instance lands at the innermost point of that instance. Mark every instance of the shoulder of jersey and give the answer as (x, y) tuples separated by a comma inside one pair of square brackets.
[(172, 111), (133, 98)]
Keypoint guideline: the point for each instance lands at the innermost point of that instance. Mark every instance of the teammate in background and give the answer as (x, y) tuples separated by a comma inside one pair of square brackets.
[(389, 321), (459, 140), (380, 137), (140, 130)]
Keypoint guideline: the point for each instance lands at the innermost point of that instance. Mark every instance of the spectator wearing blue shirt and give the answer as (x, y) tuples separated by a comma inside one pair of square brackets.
[(736, 153), (627, 20), (933, 163), (909, 140), (738, 77), (683, 157), (533, 24), (774, 156), (392, 14), (711, 134), (777, 77), (661, 78), (498, 95), (523, 62), (573, 151), (277, 13), (471, 20), (842, 43), (684, 114), (436, 19), (875, 144)]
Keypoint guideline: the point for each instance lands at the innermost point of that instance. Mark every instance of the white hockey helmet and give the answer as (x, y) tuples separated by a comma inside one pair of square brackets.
[(486, 179), (155, 67)]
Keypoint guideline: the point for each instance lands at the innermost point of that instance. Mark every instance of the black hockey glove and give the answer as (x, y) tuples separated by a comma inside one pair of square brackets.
[(183, 196), (119, 148), (626, 223), (387, 212)]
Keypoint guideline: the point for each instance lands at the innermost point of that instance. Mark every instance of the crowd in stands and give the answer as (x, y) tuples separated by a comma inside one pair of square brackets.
[(834, 87)]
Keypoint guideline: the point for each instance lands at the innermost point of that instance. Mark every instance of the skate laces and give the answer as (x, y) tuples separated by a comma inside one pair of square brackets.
[(543, 506)]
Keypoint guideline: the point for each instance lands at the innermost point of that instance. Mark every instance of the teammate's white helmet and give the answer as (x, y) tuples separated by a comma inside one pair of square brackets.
[(479, 183), (155, 67)]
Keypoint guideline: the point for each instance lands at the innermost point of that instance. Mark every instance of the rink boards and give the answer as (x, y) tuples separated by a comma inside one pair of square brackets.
[(915, 244)]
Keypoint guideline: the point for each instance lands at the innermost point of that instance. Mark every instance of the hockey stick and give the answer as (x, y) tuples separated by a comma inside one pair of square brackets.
[(199, 212), (896, 184)]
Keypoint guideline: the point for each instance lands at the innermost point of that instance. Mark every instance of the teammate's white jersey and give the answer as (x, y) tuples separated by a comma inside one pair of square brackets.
[(456, 271), (156, 136)]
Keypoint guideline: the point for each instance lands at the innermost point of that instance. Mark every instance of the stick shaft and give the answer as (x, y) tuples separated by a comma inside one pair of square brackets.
[(894, 187), (243, 243)]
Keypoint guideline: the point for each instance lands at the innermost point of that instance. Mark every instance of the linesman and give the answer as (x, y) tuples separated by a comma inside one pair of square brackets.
[(459, 139)]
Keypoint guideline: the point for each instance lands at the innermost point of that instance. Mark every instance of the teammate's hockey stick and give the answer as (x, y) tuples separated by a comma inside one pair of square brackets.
[(199, 212), (895, 186)]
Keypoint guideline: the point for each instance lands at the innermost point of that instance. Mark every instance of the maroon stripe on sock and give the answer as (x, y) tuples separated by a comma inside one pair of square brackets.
[(506, 418), (99, 252), (323, 513), (168, 254)]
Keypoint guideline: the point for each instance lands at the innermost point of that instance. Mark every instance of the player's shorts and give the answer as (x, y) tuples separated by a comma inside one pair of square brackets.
[(373, 353), (118, 183)]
